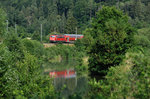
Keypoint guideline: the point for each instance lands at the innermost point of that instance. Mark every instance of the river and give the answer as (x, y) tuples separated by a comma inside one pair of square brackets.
[(66, 80)]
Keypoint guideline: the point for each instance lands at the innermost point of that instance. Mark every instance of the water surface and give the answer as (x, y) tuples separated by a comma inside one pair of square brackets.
[(66, 80)]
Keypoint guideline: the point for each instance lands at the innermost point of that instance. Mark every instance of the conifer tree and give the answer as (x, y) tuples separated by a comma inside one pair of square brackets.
[(2, 24), (71, 24)]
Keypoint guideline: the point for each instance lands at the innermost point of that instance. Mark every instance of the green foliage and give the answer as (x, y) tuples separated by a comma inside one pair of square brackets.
[(22, 33), (138, 11), (142, 40), (132, 80), (82, 69), (32, 83), (5, 60), (62, 51), (53, 14), (2, 24), (94, 89), (36, 36), (15, 46), (79, 44), (14, 43), (24, 80), (84, 10), (109, 38), (34, 47), (21, 73), (107, 41), (71, 25), (141, 71)]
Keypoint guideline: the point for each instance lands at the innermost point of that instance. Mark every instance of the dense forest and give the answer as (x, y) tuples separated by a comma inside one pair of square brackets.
[(63, 16), (116, 44)]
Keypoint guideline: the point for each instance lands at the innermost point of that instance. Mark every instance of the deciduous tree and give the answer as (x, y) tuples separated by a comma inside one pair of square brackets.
[(110, 37)]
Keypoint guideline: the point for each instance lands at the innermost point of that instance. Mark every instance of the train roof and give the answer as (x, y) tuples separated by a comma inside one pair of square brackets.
[(74, 34), (67, 35)]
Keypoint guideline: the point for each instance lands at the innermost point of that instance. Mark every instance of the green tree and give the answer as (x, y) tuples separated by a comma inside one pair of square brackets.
[(148, 13), (5, 59), (20, 73), (110, 37), (92, 8), (36, 36), (80, 11), (71, 25), (33, 47), (2, 24), (63, 23), (14, 44), (22, 33), (143, 38), (138, 9), (132, 80)]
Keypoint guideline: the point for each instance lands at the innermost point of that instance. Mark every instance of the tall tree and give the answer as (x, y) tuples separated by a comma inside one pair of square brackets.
[(138, 9), (63, 23), (110, 37), (92, 8), (147, 13), (71, 24), (2, 24)]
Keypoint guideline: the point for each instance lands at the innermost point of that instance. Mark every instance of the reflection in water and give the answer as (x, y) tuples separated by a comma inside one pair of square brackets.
[(64, 75)]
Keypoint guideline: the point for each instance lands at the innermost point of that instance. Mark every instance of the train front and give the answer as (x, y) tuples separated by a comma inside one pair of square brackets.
[(52, 38)]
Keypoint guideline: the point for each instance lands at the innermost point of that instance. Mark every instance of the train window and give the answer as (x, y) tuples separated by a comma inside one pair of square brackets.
[(60, 36), (52, 36)]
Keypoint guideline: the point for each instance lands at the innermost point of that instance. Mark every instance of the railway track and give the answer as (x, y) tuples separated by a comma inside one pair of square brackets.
[(54, 44)]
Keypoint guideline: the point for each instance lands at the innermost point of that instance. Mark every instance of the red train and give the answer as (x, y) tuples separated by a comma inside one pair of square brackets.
[(63, 74), (65, 37)]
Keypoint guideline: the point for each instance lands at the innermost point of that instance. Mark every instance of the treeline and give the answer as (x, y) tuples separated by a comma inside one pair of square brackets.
[(63, 16)]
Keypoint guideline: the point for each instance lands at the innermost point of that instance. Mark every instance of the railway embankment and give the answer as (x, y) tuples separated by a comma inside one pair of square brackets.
[(46, 45)]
